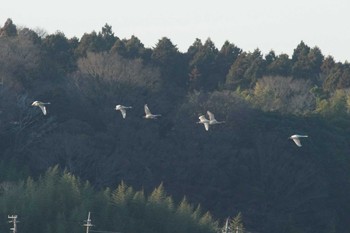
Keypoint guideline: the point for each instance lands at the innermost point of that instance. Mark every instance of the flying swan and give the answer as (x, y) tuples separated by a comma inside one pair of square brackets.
[(41, 105), (149, 115), (122, 109), (296, 138)]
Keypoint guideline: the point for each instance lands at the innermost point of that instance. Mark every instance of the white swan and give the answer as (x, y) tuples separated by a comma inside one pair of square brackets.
[(296, 138), (122, 109), (149, 115), (41, 105), (212, 120), (204, 121)]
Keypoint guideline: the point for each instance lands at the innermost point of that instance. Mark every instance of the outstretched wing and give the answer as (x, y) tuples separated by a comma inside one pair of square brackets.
[(43, 109), (211, 115), (123, 111), (297, 141), (206, 126), (147, 111)]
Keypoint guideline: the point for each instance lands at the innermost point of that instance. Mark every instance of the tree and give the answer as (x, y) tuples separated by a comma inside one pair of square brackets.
[(246, 70), (59, 55), (279, 66), (307, 62), (110, 72), (204, 58), (270, 57), (283, 94), (316, 58), (236, 224), (337, 106), (9, 29), (167, 57), (333, 77), (344, 80), (194, 48), (70, 199), (226, 57), (327, 65), (96, 42), (256, 67), (129, 48), (20, 61), (107, 37), (122, 195), (88, 43)]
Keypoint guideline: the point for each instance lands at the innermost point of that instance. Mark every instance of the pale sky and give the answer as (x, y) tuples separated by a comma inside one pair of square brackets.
[(278, 25)]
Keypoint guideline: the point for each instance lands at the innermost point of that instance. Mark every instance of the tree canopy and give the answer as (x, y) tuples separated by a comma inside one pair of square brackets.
[(245, 165)]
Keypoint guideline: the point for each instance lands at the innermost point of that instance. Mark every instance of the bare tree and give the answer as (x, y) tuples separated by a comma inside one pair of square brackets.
[(110, 67), (283, 94), (108, 76), (20, 55)]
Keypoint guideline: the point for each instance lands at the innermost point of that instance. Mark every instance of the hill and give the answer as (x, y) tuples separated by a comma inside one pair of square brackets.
[(245, 165)]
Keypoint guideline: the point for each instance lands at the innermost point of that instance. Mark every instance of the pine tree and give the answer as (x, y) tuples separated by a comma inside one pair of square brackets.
[(236, 224)]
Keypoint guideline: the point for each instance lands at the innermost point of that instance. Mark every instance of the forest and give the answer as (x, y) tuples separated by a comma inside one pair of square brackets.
[(170, 174)]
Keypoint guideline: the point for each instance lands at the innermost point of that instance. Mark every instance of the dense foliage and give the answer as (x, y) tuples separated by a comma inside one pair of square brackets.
[(60, 202), (245, 166)]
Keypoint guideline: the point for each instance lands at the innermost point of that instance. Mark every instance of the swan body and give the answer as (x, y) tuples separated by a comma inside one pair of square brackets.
[(204, 121), (296, 138), (149, 115), (122, 109), (41, 105)]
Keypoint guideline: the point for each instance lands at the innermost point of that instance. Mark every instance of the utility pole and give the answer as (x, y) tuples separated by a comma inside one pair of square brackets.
[(14, 221), (87, 224)]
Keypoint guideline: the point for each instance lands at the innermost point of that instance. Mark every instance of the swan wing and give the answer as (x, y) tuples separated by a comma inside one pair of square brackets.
[(206, 126), (297, 141), (123, 111), (43, 109), (147, 111), (211, 115)]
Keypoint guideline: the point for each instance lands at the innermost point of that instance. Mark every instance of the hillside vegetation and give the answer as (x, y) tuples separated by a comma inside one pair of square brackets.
[(245, 166)]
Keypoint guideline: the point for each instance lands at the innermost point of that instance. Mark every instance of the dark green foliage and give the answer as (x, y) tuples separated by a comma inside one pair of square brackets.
[(96, 42), (306, 62), (203, 57), (246, 70), (59, 55), (279, 66), (226, 57), (9, 29), (337, 75), (171, 63), (131, 48), (59, 201)]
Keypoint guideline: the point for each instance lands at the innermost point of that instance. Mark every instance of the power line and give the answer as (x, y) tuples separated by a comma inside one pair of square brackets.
[(106, 231)]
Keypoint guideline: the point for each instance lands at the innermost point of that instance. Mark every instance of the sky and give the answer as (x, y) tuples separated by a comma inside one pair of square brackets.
[(278, 25)]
